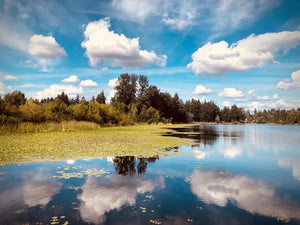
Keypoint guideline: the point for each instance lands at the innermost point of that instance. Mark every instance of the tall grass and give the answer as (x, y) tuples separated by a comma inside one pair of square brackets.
[(28, 127)]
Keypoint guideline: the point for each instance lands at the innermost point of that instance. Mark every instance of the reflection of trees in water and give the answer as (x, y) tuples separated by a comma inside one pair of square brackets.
[(204, 134), (130, 165)]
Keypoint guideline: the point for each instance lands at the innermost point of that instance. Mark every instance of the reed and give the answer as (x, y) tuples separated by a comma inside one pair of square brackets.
[(29, 127)]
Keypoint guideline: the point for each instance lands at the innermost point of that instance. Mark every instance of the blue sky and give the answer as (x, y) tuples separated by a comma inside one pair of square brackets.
[(229, 51)]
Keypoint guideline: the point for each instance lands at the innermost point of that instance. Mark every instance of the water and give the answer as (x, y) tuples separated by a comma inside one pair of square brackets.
[(233, 174)]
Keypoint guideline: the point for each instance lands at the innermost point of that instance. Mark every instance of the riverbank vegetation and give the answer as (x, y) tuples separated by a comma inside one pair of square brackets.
[(134, 102)]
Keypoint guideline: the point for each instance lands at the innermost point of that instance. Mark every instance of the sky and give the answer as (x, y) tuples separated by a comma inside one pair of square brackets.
[(227, 51)]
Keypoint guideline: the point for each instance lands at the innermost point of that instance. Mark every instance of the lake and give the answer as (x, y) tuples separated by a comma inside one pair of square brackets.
[(232, 174)]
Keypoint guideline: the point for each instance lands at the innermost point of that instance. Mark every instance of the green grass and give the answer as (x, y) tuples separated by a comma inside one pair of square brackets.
[(140, 140), (29, 127)]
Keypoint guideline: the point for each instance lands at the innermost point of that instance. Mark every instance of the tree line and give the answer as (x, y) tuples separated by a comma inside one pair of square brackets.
[(135, 101)]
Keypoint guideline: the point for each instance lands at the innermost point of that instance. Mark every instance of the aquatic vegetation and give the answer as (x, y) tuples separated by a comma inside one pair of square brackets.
[(80, 174), (141, 140)]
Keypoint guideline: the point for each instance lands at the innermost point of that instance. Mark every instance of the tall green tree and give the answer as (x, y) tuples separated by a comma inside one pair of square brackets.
[(16, 98), (126, 89), (101, 98)]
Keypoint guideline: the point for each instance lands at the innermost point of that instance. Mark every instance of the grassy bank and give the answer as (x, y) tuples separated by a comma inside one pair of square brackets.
[(29, 127), (140, 140)]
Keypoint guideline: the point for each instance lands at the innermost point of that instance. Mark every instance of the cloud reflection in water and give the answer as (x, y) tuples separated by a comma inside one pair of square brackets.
[(98, 198), (218, 187)]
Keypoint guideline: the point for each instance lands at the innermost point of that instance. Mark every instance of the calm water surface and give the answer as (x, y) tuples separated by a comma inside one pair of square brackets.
[(233, 174)]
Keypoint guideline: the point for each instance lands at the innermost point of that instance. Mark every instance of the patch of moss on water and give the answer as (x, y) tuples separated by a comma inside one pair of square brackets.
[(141, 140)]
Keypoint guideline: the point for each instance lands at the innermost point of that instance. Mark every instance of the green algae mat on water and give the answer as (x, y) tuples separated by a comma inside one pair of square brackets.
[(113, 141)]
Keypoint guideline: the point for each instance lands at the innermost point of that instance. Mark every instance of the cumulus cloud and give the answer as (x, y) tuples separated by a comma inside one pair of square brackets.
[(45, 47), (56, 89), (253, 97), (88, 83), (253, 51), (220, 187), (275, 104), (200, 89), (71, 79), (276, 97), (292, 83), (226, 104), (10, 77), (96, 199), (231, 93), (4, 89), (101, 44), (113, 82), (111, 92)]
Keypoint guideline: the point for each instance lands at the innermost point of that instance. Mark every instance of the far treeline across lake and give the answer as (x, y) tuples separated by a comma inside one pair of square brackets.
[(135, 101)]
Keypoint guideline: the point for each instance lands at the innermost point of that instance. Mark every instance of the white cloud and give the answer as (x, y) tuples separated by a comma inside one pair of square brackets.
[(231, 93), (97, 199), (117, 50), (111, 92), (292, 83), (253, 51), (219, 187), (45, 47), (88, 83), (4, 89), (10, 77), (200, 89), (113, 82), (226, 104), (197, 99), (177, 23), (276, 97), (56, 89), (253, 97), (71, 79), (276, 104)]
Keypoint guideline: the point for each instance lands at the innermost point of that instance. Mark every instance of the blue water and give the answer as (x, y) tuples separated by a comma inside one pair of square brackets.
[(232, 174)]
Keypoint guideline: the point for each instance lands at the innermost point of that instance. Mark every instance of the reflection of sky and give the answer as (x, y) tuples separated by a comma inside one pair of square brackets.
[(287, 162), (267, 146), (34, 189), (98, 198), (39, 191), (218, 187)]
